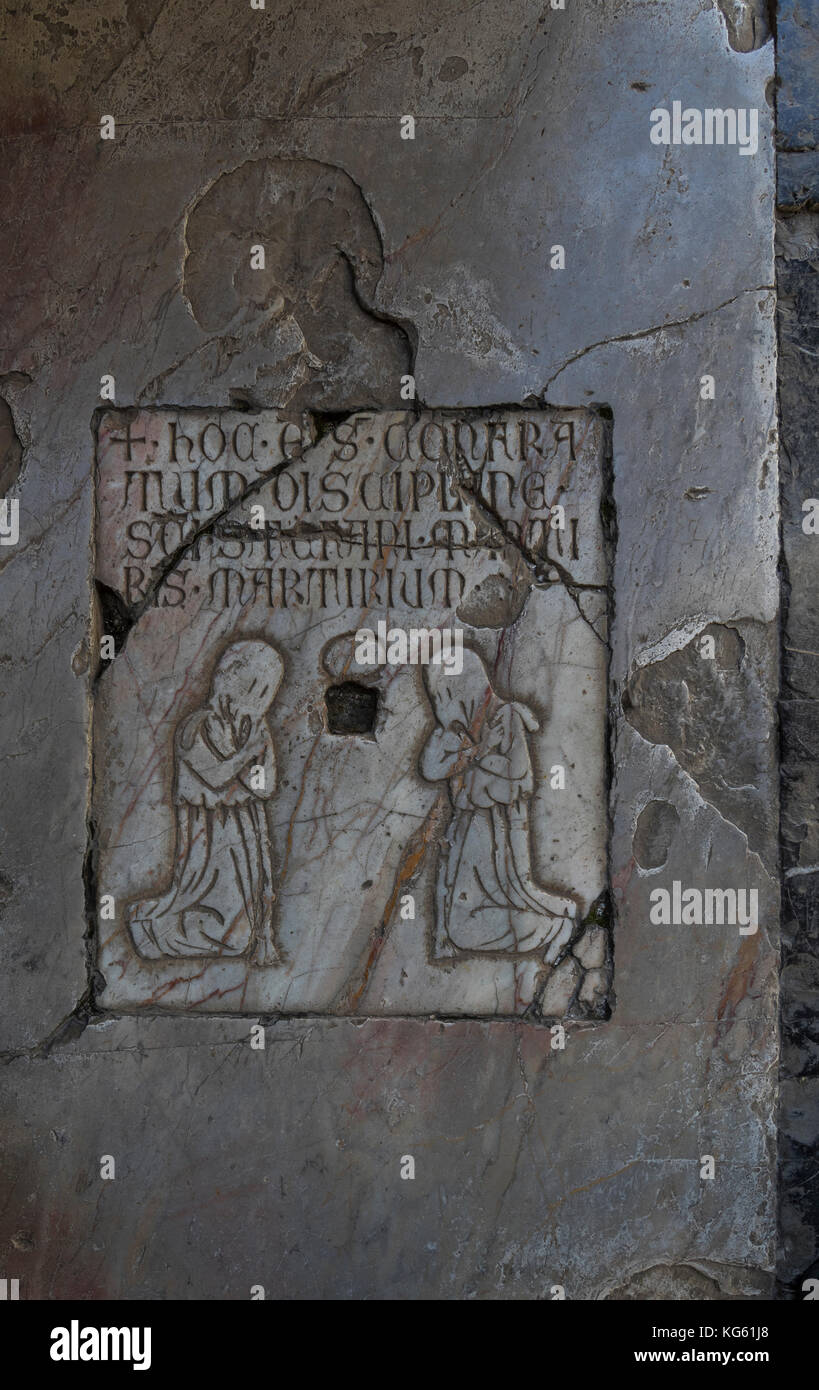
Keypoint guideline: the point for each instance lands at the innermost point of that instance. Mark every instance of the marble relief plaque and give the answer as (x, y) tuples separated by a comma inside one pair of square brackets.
[(350, 750)]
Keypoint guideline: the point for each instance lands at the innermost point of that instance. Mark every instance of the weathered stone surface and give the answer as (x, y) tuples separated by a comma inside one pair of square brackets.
[(686, 1282), (798, 285), (797, 57), (535, 1164), (510, 1196), (302, 327), (700, 701), (797, 181)]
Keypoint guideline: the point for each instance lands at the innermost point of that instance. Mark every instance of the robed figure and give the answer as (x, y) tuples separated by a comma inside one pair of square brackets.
[(487, 898), (220, 899)]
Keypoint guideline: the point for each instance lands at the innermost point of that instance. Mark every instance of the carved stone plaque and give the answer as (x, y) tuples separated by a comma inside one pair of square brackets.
[(350, 745)]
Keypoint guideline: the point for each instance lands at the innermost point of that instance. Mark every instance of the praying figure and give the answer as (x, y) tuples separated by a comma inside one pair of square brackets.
[(486, 896), (220, 899)]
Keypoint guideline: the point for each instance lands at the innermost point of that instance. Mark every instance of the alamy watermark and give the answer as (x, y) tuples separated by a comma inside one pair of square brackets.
[(9, 520), (416, 646), (75, 1343), (698, 907), (711, 125)]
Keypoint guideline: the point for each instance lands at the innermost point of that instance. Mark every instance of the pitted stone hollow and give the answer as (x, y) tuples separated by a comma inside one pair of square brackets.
[(655, 829), (497, 601), (686, 1283), (748, 23), (706, 703)]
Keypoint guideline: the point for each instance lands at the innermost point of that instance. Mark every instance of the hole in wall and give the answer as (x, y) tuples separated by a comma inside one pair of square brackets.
[(351, 708)]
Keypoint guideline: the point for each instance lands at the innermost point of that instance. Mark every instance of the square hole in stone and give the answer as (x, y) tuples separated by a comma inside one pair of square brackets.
[(351, 708)]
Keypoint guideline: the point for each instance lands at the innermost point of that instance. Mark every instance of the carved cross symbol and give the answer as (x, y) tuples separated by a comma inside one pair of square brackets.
[(127, 440)]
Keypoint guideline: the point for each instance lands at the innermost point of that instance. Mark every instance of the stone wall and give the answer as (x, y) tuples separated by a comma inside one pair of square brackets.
[(798, 294), (485, 285)]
